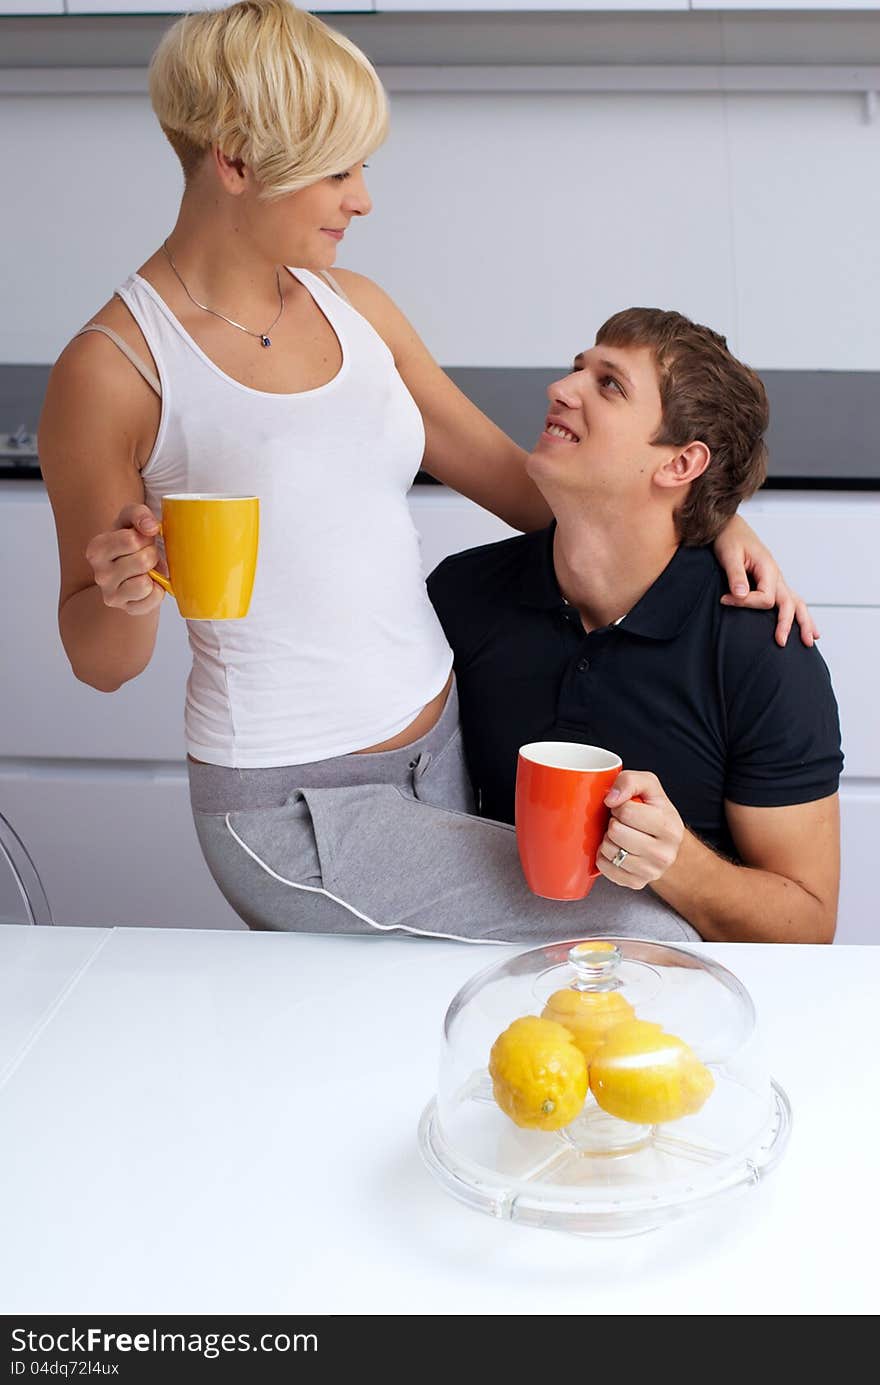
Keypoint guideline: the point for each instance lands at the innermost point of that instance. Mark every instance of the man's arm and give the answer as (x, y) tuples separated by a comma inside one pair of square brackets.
[(780, 800), (784, 892)]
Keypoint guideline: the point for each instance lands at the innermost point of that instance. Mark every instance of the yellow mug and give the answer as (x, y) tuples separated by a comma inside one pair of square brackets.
[(211, 551)]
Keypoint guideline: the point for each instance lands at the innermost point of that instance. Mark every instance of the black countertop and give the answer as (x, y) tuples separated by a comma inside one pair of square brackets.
[(824, 430)]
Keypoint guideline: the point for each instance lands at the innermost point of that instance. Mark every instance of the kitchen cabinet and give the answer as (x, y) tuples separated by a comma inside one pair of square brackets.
[(774, 5), (27, 7), (115, 844), (172, 7), (96, 784), (517, 6), (618, 6), (183, 6), (860, 822), (849, 638), (139, 7)]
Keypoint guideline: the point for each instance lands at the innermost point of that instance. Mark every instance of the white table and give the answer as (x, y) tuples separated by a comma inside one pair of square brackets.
[(221, 1122)]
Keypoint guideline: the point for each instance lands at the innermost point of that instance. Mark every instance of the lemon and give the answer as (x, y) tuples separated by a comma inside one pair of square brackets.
[(539, 1075), (642, 1074), (588, 1015)]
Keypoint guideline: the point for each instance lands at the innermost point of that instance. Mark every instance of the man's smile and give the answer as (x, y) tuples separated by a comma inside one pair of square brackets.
[(555, 428)]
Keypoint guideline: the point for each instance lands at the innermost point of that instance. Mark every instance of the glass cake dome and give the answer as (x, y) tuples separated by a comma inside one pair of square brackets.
[(602, 1086)]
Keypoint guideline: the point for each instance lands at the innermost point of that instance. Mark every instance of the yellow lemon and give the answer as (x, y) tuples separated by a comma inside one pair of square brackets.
[(539, 1075), (588, 1015), (642, 1074)]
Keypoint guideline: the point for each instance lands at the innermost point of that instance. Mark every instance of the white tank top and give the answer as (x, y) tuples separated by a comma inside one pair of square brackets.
[(341, 648)]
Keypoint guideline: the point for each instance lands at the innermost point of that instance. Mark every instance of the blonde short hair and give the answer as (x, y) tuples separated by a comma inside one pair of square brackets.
[(271, 85)]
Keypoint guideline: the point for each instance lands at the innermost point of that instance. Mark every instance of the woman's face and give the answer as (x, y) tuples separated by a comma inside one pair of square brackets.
[(306, 227)]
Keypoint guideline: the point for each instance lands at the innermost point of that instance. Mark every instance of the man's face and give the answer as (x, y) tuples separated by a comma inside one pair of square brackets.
[(602, 417)]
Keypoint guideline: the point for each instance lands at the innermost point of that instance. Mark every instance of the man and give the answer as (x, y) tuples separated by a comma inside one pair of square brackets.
[(610, 628)]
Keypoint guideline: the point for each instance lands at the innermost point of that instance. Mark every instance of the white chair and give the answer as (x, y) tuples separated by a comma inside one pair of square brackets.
[(22, 897)]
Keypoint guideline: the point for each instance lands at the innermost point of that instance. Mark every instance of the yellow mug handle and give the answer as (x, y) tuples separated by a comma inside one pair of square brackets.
[(157, 576)]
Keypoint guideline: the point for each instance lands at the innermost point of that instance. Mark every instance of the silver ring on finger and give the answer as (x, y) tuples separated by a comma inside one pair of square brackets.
[(620, 857)]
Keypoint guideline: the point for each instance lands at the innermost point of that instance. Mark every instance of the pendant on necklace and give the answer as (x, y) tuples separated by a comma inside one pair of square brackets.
[(265, 340)]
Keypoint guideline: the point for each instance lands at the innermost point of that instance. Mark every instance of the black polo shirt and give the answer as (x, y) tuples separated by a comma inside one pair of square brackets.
[(696, 692)]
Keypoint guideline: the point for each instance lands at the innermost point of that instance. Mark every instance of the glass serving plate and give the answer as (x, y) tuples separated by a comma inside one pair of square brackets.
[(679, 1108)]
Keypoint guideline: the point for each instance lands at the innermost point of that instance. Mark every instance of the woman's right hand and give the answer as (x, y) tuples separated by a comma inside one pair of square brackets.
[(121, 560)]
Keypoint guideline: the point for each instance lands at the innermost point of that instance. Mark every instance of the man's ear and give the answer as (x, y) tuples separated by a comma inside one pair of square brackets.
[(683, 467)]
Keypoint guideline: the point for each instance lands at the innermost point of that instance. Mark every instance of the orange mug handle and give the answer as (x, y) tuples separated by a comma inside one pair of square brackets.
[(636, 798)]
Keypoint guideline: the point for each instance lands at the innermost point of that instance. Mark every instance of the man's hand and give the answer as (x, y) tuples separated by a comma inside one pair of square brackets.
[(648, 832)]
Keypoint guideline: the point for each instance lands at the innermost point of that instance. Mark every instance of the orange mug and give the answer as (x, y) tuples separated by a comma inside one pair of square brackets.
[(561, 815)]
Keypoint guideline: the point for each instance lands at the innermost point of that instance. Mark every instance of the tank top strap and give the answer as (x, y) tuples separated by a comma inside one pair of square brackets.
[(327, 293), (336, 287), (140, 366)]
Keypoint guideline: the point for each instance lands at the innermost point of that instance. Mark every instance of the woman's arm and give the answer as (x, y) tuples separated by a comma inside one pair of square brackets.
[(742, 555), (463, 448), (467, 451), (89, 439)]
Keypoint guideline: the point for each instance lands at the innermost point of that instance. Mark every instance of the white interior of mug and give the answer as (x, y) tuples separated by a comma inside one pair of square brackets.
[(207, 495), (570, 755)]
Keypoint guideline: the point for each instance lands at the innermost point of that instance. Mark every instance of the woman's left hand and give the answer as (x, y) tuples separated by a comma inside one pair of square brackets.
[(742, 554), (643, 837)]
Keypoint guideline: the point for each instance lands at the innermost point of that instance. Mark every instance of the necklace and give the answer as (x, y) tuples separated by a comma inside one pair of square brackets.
[(265, 339)]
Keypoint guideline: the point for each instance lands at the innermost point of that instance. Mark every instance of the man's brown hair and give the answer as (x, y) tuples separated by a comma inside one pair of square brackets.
[(707, 396)]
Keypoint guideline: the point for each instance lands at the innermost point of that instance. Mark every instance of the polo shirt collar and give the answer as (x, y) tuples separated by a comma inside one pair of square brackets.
[(661, 613)]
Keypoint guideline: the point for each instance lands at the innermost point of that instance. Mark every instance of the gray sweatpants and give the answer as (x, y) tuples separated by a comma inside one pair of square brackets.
[(388, 842)]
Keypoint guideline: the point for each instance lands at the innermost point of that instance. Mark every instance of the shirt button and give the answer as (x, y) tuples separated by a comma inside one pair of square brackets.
[(583, 665)]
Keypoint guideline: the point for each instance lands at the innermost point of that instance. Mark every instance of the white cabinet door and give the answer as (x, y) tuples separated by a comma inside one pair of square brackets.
[(859, 911), (185, 6), (46, 713), (441, 6), (850, 646), (31, 7), (763, 5), (826, 543), (140, 6), (448, 523), (115, 846)]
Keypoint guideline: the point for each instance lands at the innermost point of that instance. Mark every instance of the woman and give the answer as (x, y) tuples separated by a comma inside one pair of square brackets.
[(217, 368)]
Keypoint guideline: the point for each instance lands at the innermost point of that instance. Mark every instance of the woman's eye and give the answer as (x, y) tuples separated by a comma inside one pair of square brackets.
[(341, 177), (609, 381)]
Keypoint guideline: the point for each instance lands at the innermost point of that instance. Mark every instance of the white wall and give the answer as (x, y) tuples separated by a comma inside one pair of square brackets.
[(507, 226)]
